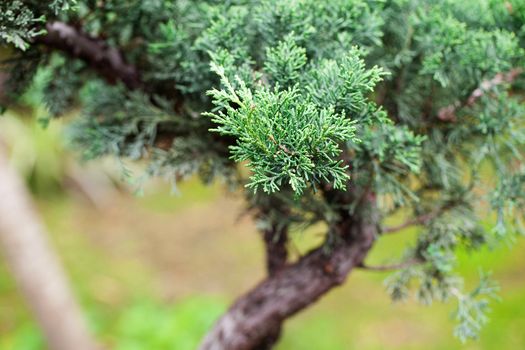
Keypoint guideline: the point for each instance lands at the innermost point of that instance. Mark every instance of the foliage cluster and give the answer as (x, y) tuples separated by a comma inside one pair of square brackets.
[(408, 99)]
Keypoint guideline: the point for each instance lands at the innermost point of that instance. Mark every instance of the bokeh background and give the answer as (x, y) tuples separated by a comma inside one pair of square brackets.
[(153, 270)]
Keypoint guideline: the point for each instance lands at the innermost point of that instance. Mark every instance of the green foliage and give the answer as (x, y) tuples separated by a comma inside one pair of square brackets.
[(471, 313), (509, 201), (405, 99), (284, 63), (181, 326), (284, 136), (107, 128), (58, 6), (17, 23), (21, 21), (63, 78)]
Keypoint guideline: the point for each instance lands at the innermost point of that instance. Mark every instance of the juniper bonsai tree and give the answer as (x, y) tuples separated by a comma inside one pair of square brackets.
[(345, 112)]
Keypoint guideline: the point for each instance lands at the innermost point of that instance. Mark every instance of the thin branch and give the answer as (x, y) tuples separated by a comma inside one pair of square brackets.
[(448, 113), (420, 220), (399, 266)]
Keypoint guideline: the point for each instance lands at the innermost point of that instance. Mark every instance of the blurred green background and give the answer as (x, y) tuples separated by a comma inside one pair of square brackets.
[(153, 272)]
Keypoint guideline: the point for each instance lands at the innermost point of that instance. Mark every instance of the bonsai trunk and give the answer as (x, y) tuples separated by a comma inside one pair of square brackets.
[(253, 321)]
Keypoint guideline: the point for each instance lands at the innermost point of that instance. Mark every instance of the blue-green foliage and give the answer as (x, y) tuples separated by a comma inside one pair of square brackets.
[(406, 99), (290, 131), (17, 23), (21, 21), (107, 135)]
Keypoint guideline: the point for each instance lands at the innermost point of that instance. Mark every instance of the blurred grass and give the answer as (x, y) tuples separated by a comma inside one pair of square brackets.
[(126, 306), (153, 272)]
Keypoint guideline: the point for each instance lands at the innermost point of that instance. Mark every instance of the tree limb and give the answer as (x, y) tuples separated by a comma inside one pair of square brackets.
[(448, 113), (36, 268), (259, 312), (108, 61), (275, 240), (273, 212), (111, 65), (420, 220)]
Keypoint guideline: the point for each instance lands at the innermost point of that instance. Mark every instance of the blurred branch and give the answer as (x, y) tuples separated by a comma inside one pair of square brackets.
[(402, 265), (110, 63), (448, 113), (275, 240), (36, 267), (107, 61), (420, 220), (254, 317)]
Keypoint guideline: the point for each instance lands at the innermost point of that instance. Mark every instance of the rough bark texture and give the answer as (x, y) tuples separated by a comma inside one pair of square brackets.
[(275, 239), (36, 269), (107, 61), (256, 315)]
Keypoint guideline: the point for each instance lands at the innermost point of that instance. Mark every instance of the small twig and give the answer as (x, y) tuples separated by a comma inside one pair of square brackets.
[(281, 147), (420, 220), (399, 266), (448, 113)]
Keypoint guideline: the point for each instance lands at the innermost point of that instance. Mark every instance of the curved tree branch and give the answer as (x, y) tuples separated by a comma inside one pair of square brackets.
[(108, 61), (272, 211), (275, 240), (257, 314)]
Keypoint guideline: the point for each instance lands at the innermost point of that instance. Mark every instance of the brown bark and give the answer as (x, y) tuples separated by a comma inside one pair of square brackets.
[(36, 268), (275, 240), (256, 315), (109, 62), (106, 60)]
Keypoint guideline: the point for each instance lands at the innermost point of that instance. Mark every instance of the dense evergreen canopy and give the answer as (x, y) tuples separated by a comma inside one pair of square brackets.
[(346, 112)]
